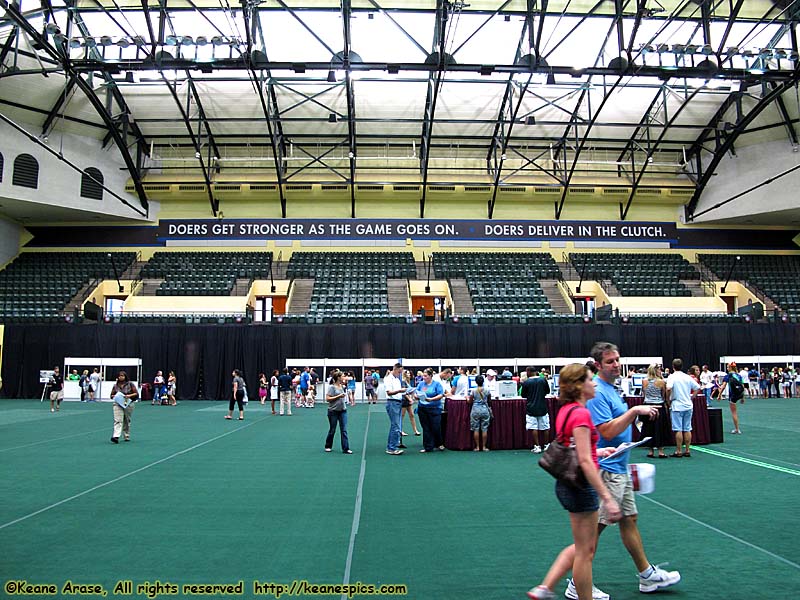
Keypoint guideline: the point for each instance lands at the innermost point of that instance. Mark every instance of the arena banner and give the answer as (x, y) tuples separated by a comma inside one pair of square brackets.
[(420, 229), (230, 232)]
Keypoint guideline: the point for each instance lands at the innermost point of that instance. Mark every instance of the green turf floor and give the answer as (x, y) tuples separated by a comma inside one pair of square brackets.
[(197, 499)]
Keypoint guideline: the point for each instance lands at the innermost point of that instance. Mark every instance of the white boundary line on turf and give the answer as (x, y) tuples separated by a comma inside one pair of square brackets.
[(52, 440), (126, 475), (724, 533), (747, 461), (357, 509), (750, 454)]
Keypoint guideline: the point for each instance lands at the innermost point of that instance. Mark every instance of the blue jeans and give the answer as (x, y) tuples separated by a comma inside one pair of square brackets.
[(707, 392), (393, 409), (431, 421), (340, 417)]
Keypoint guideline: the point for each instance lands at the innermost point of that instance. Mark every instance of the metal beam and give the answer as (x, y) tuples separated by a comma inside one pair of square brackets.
[(66, 93), (646, 163), (12, 10), (269, 101), (142, 148), (202, 113), (500, 136), (575, 118), (351, 104), (197, 150), (731, 138), (787, 120), (432, 95), (7, 46)]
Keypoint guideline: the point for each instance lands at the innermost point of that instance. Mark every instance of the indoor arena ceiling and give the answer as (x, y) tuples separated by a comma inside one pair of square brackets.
[(548, 93)]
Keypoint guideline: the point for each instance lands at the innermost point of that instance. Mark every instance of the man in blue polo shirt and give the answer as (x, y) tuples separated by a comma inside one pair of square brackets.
[(613, 420)]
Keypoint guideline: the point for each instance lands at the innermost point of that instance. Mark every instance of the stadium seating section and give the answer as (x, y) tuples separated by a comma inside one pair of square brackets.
[(38, 285), (639, 274), (204, 273), (350, 286), (504, 287), (776, 276)]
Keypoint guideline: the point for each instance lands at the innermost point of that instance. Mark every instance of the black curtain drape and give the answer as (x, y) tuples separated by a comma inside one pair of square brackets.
[(215, 350)]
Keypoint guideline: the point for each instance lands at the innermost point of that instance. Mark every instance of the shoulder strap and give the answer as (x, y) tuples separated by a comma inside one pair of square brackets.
[(566, 419)]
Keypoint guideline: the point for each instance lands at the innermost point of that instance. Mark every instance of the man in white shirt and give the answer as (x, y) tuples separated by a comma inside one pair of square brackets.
[(680, 387), (462, 383), (707, 382), (393, 385), (491, 383), (744, 375)]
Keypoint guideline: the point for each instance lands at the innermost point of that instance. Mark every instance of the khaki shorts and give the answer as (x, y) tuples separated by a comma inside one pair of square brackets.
[(621, 489)]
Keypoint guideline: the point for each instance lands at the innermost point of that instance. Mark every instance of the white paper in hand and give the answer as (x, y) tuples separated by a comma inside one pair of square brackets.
[(625, 447)]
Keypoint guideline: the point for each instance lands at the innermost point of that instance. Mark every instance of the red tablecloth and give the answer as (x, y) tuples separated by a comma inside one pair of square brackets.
[(507, 430)]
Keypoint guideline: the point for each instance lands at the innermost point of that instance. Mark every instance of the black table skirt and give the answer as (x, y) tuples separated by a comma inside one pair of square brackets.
[(507, 430)]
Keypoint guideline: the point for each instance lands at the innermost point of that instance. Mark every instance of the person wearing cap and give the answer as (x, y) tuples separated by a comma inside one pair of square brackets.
[(733, 397), (680, 388), (491, 382)]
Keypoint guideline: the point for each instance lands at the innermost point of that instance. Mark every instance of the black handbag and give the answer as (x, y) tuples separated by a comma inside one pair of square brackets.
[(561, 461)]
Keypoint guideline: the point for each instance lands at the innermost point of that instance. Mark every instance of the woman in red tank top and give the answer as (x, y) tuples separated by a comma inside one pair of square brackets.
[(574, 422)]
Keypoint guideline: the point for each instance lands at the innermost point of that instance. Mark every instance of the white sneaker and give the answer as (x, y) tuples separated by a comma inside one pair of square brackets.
[(537, 450), (546, 446), (572, 593), (540, 592), (658, 579)]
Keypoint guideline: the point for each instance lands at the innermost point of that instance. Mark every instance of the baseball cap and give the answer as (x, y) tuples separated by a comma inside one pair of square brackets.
[(491, 373)]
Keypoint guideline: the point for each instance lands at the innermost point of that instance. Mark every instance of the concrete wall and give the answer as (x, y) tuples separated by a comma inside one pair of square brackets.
[(10, 239), (751, 166), (59, 183)]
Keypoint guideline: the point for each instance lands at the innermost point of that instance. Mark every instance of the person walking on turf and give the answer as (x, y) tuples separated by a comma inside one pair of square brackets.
[(394, 407), (124, 395), (337, 412), (613, 419), (680, 388), (574, 422), (237, 397)]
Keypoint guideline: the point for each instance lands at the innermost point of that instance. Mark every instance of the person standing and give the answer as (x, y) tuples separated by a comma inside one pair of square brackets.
[(172, 389), (461, 383), (124, 395), (680, 388), (395, 391), (535, 389), (303, 387), (408, 404), (337, 413), (735, 394), (55, 388), (654, 390), (263, 388), (479, 415), (285, 391), (369, 387), (84, 384), (158, 388), (94, 384), (613, 420), (237, 395), (706, 382), (273, 388), (575, 422), (313, 379), (429, 395)]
